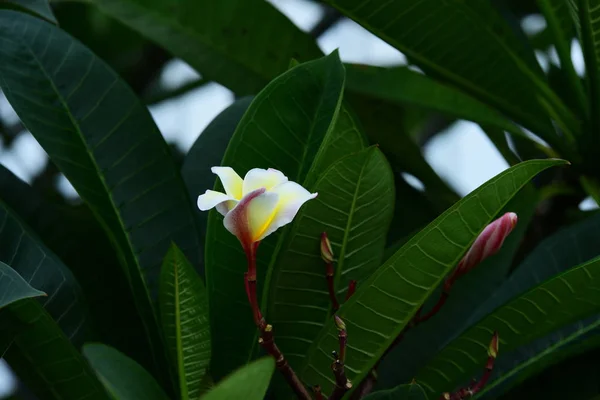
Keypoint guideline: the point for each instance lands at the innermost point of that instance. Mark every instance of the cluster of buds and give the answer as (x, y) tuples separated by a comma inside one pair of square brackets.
[(477, 386), (342, 383)]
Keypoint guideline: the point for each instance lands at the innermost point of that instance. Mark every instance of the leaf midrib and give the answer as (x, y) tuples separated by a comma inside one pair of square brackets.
[(104, 185), (178, 340)]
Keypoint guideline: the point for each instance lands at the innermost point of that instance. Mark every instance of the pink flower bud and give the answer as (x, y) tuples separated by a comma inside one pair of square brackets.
[(487, 243), (326, 250)]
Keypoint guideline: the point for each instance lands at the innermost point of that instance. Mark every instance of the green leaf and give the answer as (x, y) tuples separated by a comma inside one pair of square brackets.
[(207, 152), (14, 288), (285, 128), (387, 301), (405, 86), (97, 132), (588, 35), (65, 230), (354, 207), (122, 377), (422, 342), (249, 382), (467, 35), (35, 342), (410, 391), (40, 8), (535, 358), (184, 319), (382, 120), (568, 297), (43, 357), (240, 44), (562, 28)]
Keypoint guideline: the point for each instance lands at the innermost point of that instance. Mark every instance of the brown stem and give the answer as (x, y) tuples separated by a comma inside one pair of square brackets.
[(317, 392), (440, 303), (266, 339), (331, 287), (342, 384)]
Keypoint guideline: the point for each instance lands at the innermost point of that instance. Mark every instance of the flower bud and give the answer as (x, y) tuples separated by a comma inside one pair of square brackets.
[(326, 250), (494, 343), (488, 242), (339, 323)]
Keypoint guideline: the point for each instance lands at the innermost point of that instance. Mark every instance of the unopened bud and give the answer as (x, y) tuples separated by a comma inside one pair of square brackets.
[(488, 242), (339, 323), (494, 343), (326, 250)]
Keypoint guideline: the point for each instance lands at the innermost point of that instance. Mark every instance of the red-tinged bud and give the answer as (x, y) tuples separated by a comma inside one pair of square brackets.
[(326, 250), (339, 323), (487, 243), (494, 343)]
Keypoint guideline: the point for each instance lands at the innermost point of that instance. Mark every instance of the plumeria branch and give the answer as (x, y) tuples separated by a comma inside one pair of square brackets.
[(488, 243), (266, 339), (477, 386), (342, 383)]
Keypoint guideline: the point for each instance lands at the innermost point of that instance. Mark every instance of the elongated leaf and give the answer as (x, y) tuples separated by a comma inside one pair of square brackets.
[(207, 152), (65, 231), (240, 44), (404, 86), (403, 392), (14, 288), (421, 343), (122, 377), (106, 143), (539, 356), (40, 8), (590, 43), (458, 50), (44, 358), (38, 342), (387, 301), (564, 299), (562, 27), (184, 319), (284, 128), (354, 207), (249, 382)]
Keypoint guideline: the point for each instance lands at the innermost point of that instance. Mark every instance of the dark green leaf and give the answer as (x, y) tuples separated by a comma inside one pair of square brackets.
[(467, 35), (65, 231), (106, 143), (44, 358), (184, 319), (249, 382), (404, 86), (14, 288), (568, 297), (122, 377), (410, 391), (207, 152), (388, 300), (421, 343), (285, 128), (354, 207), (240, 44), (40, 8), (513, 369)]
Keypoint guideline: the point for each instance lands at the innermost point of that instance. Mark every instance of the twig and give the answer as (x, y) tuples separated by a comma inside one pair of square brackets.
[(327, 256), (317, 392), (351, 289), (477, 386), (342, 384), (266, 339)]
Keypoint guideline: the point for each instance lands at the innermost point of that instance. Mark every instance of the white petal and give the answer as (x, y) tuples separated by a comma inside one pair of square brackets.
[(211, 199), (258, 177), (291, 197), (232, 183)]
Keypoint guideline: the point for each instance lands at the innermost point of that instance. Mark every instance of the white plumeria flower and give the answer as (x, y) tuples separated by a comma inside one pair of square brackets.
[(256, 206)]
